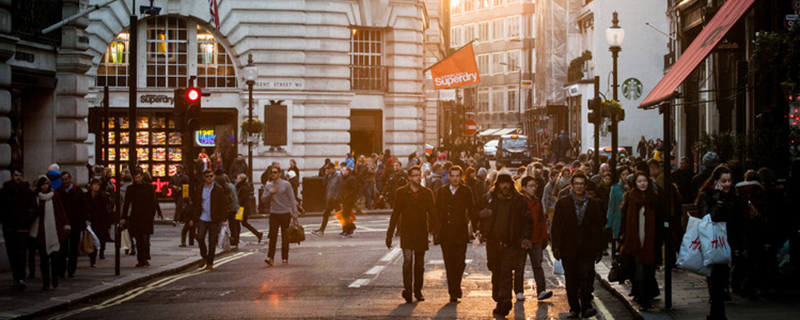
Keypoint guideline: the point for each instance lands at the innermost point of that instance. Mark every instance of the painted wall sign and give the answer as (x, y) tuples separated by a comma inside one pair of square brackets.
[(632, 88)]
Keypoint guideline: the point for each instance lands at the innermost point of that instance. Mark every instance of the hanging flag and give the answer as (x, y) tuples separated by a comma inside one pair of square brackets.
[(214, 10), (457, 70)]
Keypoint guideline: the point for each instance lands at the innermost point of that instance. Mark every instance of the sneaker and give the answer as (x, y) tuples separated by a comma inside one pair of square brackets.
[(285, 261), (268, 261), (520, 297), (318, 233), (545, 295), (202, 264), (588, 313)]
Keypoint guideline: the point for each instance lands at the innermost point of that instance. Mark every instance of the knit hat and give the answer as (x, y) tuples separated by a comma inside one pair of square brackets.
[(482, 172), (711, 159), (504, 176)]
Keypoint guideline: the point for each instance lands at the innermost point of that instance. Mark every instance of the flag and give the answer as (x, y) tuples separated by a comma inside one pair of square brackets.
[(457, 70), (214, 11)]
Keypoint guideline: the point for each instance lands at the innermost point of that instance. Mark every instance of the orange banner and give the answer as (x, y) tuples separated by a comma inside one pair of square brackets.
[(457, 70)]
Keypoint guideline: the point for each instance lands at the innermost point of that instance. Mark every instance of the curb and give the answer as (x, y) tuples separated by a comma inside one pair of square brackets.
[(105, 289), (621, 297)]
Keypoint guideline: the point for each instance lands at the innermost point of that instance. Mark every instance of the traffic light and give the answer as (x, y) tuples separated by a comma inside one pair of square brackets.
[(593, 117)]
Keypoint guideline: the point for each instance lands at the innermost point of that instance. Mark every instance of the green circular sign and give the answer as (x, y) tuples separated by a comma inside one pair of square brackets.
[(632, 88)]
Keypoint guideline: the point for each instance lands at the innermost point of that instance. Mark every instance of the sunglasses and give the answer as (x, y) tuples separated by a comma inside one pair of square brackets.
[(209, 176), (276, 172)]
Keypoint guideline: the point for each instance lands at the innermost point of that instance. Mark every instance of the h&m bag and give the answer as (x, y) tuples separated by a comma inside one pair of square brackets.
[(558, 267), (690, 257), (714, 242)]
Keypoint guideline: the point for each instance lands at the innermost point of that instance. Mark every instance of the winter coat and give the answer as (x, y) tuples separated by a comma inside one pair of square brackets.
[(219, 203), (61, 220), (237, 167), (539, 222), (99, 213), (244, 192), (416, 215), (574, 240), (455, 211), (17, 201), (141, 201), (723, 207), (74, 202), (520, 223), (614, 212), (349, 189)]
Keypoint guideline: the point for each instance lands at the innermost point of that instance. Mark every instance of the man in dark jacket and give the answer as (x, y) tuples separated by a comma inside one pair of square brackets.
[(176, 183), (75, 206), (415, 211), (506, 225), (710, 161), (333, 190), (577, 235), (349, 198), (211, 213), (17, 201), (238, 166), (455, 206), (397, 179), (140, 198)]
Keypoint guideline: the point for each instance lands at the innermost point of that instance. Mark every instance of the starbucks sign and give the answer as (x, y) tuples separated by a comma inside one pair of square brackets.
[(632, 89)]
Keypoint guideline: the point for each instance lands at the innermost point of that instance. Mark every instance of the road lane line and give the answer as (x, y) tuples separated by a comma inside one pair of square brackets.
[(358, 283), (391, 255), (601, 307), (375, 270)]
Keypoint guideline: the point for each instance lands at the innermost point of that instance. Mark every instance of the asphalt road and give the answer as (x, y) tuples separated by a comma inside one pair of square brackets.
[(327, 278)]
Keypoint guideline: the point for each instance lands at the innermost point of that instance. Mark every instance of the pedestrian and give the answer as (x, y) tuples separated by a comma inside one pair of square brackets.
[(148, 180), (368, 185), (682, 177), (293, 176), (233, 207), (434, 181), (210, 212), (283, 207), (549, 197), (99, 216), (539, 238), (349, 160), (176, 183), (507, 227), (244, 192), (127, 181), (17, 199), (756, 263), (577, 235), (397, 179), (641, 148), (564, 145), (184, 214), (455, 208), (138, 215), (50, 228), (642, 218), (238, 166), (719, 199), (322, 170), (333, 191), (74, 202), (349, 196), (216, 161), (415, 214), (615, 198)]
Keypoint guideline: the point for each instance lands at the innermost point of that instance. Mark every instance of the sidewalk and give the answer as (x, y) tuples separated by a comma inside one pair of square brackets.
[(690, 299)]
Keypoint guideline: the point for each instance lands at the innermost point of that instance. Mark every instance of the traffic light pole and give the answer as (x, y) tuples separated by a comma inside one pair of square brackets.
[(132, 85), (596, 167)]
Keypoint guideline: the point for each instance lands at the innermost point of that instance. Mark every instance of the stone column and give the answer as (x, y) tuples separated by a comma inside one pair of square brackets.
[(8, 45), (72, 63)]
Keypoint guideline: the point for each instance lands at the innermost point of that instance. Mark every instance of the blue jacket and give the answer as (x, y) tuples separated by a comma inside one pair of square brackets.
[(614, 214)]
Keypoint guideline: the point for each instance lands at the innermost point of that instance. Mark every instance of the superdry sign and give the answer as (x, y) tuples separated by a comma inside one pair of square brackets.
[(457, 70)]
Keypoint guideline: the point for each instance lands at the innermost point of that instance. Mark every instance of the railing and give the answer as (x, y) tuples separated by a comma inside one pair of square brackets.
[(29, 17), (369, 78)]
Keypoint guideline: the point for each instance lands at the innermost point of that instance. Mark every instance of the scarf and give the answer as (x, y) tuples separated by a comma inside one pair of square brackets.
[(50, 226), (632, 245), (580, 205)]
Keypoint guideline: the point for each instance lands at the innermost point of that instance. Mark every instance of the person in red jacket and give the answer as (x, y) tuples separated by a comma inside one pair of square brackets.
[(49, 230), (539, 237)]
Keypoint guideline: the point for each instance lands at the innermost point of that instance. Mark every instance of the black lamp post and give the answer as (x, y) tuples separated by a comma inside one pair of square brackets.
[(251, 73), (615, 35)]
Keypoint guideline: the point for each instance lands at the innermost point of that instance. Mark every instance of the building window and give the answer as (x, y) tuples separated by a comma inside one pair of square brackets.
[(497, 3), (483, 64), (455, 37), (455, 7), (483, 31), (469, 33), (483, 4), (497, 63), (498, 29), (469, 5), (214, 67), (366, 60), (513, 27), (113, 68), (513, 61), (498, 99), (483, 99), (167, 52), (513, 101)]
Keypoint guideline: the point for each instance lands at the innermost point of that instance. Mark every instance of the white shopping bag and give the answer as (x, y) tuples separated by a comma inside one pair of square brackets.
[(95, 239), (125, 242), (714, 242), (224, 239), (690, 257), (558, 267)]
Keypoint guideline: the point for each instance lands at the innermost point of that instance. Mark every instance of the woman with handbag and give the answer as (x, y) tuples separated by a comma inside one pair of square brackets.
[(99, 216), (50, 228), (719, 199), (641, 236)]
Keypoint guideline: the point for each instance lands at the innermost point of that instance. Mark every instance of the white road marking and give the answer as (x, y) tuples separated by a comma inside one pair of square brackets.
[(601, 308), (375, 270), (391, 255), (358, 283), (437, 261)]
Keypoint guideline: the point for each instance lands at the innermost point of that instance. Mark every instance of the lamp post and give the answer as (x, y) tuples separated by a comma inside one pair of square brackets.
[(251, 72), (615, 35)]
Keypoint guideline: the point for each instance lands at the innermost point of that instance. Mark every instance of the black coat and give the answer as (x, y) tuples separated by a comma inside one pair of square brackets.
[(574, 240), (726, 208), (17, 201), (99, 214), (219, 205), (74, 203), (455, 211), (520, 221), (416, 216), (244, 192), (140, 198)]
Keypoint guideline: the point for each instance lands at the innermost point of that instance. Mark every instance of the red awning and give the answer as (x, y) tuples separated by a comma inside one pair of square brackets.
[(700, 48)]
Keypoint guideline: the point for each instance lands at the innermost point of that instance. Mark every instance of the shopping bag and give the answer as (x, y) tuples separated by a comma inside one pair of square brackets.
[(239, 214), (224, 238), (125, 242), (294, 233), (95, 239), (558, 267), (338, 216), (86, 245), (622, 268), (714, 242), (690, 257)]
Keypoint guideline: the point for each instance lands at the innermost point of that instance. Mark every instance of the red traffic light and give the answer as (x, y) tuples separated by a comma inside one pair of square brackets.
[(192, 94)]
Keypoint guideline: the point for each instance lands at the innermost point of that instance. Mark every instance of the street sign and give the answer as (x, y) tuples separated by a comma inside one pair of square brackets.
[(526, 84), (519, 130), (470, 127), (447, 95), (789, 20), (796, 5)]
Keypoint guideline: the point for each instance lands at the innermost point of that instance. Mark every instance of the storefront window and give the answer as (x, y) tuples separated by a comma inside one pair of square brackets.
[(167, 52), (113, 68), (214, 66)]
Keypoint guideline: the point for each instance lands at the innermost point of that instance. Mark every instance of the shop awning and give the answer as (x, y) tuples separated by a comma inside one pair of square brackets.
[(488, 132), (700, 48), (505, 131)]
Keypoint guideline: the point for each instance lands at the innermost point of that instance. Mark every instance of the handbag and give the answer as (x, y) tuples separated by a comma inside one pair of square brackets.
[(622, 268), (240, 214), (714, 242), (125, 242), (95, 239), (558, 267), (86, 245), (294, 233), (224, 238), (690, 257)]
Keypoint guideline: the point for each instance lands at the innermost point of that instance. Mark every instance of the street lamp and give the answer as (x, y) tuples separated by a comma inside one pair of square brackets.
[(615, 35), (251, 73)]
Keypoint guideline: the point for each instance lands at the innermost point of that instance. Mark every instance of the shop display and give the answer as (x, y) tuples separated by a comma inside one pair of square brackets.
[(159, 170), (142, 138), (159, 138), (143, 123), (175, 154), (124, 138), (175, 138), (143, 154), (158, 122), (124, 154), (159, 154)]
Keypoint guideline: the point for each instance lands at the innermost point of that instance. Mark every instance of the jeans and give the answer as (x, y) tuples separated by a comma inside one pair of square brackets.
[(277, 220), (579, 277), (330, 206), (235, 228), (48, 265), (142, 248), (415, 258), (536, 254), (16, 243), (454, 263), (191, 231), (212, 230)]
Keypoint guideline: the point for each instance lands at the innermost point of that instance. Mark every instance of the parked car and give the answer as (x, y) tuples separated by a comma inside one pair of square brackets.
[(514, 150), (490, 148)]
